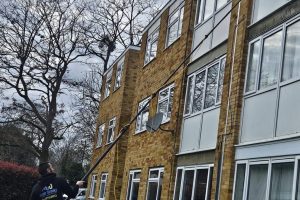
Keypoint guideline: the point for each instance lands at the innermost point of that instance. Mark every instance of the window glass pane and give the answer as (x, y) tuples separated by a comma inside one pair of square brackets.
[(189, 94), (180, 21), (198, 92), (188, 185), (173, 34), (199, 11), (211, 86), (252, 66), (135, 190), (239, 181), (174, 17), (270, 60), (152, 190), (257, 174), (221, 79), (102, 190), (298, 182), (170, 102), (153, 50), (201, 184), (163, 94), (129, 187), (137, 175), (154, 174), (209, 8), (145, 116), (221, 3), (291, 67), (282, 181), (118, 75), (178, 184), (262, 8), (147, 54)]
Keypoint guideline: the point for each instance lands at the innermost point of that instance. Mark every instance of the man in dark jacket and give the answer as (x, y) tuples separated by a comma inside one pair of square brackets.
[(50, 187)]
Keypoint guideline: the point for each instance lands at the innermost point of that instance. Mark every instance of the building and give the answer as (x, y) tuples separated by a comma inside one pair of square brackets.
[(230, 126)]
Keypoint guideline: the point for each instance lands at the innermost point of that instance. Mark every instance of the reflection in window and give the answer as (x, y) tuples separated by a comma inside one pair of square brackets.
[(108, 84), (93, 186), (239, 182), (111, 130), (133, 185), (291, 67), (206, 9), (100, 135), (221, 80), (252, 66), (211, 86), (142, 118), (199, 92), (155, 184), (189, 95), (151, 48), (270, 60), (175, 25), (165, 102), (119, 75), (102, 186)]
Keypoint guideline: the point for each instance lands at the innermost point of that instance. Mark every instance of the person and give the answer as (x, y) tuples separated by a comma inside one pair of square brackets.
[(50, 187)]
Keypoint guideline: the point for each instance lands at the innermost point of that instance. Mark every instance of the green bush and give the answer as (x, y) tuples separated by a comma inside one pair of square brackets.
[(16, 181)]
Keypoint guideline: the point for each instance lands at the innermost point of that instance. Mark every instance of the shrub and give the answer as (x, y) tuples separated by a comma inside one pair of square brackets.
[(16, 181)]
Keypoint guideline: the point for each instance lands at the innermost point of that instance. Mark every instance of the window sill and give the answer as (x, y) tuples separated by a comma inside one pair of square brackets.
[(116, 89), (98, 147), (195, 151), (140, 131), (107, 144), (172, 44), (148, 63)]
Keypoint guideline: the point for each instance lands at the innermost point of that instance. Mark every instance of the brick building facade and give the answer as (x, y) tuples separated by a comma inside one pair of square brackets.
[(229, 113)]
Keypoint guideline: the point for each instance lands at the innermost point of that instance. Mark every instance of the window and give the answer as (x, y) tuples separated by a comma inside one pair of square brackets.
[(100, 135), (165, 102), (204, 88), (270, 179), (193, 182), (108, 84), (206, 8), (93, 186), (265, 60), (262, 8), (151, 48), (111, 130), (155, 183), (133, 185), (175, 25), (103, 186), (142, 118), (119, 75)]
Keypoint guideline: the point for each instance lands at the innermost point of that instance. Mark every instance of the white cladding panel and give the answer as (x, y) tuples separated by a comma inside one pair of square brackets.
[(209, 130), (289, 110), (199, 35), (154, 26), (259, 117), (220, 34), (191, 133), (175, 5)]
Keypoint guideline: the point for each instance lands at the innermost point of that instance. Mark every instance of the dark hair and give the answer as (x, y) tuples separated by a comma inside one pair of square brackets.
[(43, 168)]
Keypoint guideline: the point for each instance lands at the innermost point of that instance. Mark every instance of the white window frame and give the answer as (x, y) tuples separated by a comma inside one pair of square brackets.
[(108, 79), (178, 19), (200, 11), (119, 72), (209, 167), (168, 98), (101, 130), (139, 118), (151, 40), (93, 186), (133, 180), (157, 180), (269, 162), (216, 103), (103, 180), (112, 128)]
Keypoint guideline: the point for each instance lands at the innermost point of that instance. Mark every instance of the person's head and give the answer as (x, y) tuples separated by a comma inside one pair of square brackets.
[(45, 168)]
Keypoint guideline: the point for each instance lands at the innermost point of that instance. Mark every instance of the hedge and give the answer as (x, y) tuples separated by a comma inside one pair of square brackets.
[(16, 181)]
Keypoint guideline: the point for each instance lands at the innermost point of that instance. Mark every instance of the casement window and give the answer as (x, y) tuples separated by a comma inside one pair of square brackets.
[(165, 102), (272, 82), (206, 8), (151, 48), (204, 88), (276, 178), (108, 83), (193, 183), (100, 135), (262, 8), (111, 130), (155, 180), (102, 186), (93, 186), (133, 185), (175, 25), (119, 75), (142, 118)]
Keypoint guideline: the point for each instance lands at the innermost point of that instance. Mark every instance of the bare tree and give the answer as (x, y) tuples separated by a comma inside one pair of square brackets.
[(39, 41)]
